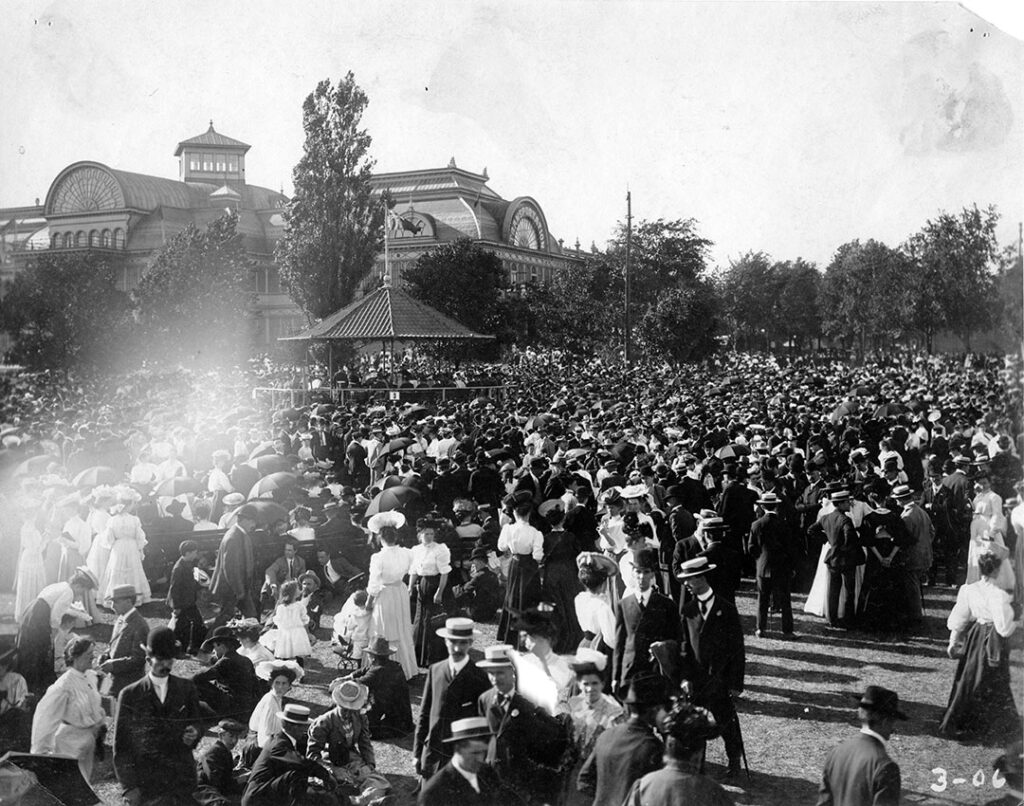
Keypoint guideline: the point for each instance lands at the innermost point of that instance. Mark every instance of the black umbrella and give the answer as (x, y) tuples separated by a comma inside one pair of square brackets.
[(243, 477), (391, 498), (888, 410), (273, 463), (272, 483), (263, 449), (268, 512), (95, 476), (416, 413), (397, 444)]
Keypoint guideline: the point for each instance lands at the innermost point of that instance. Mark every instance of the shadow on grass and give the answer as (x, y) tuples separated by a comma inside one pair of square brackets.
[(808, 656), (899, 646), (764, 788), (756, 668)]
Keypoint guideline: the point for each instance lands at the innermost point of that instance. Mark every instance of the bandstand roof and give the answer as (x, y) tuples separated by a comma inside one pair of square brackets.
[(387, 313)]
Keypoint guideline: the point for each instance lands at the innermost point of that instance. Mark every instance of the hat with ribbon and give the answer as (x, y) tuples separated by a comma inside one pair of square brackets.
[(349, 694), (473, 727), (497, 656), (459, 629), (698, 566), (881, 701), (294, 714), (380, 647)]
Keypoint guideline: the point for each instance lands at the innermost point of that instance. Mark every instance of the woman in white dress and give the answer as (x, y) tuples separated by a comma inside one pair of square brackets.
[(593, 607), (127, 540), (75, 536), (389, 595), (282, 675), (70, 714), (31, 578), (538, 628), (817, 598), (988, 525), (100, 500)]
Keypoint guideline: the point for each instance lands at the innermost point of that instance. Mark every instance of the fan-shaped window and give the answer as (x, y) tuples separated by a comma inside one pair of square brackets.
[(119, 238), (107, 239), (94, 238), (85, 190), (80, 238)]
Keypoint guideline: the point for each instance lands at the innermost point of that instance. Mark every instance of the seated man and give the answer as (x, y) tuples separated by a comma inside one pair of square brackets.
[(335, 573), (313, 598), (390, 712), (229, 688), (341, 737), (215, 768), (290, 566)]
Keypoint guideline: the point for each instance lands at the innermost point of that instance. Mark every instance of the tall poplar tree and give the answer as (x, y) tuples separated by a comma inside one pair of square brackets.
[(333, 224)]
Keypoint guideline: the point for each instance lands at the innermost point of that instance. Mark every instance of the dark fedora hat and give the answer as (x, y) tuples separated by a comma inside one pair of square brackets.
[(160, 643), (646, 559), (221, 635), (380, 647), (881, 701), (647, 689)]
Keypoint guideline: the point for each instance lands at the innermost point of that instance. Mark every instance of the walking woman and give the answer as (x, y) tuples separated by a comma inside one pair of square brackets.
[(127, 541), (526, 545), (560, 582), (981, 620), (70, 714), (389, 597), (428, 577)]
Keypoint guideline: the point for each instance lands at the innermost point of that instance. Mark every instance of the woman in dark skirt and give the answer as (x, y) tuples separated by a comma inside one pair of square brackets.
[(526, 545), (558, 574), (428, 577), (39, 626), (981, 701), (889, 597)]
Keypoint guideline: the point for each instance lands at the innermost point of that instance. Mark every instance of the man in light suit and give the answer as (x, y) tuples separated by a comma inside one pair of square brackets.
[(232, 582), (450, 692), (156, 729), (713, 657), (641, 618), (125, 660), (860, 770), (467, 780)]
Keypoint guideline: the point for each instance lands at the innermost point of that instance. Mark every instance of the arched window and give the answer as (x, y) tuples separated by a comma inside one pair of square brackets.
[(107, 239), (80, 238), (69, 240), (94, 238), (119, 238), (55, 241)]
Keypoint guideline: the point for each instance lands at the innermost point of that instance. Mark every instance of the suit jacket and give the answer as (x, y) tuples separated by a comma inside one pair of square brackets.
[(215, 768), (444, 700), (961, 495), (523, 735), (233, 572), (149, 752), (238, 676), (772, 546), (278, 570), (622, 754), (673, 787), (277, 759), (844, 552), (636, 630), (449, 786), (126, 651), (183, 588), (713, 655), (859, 771)]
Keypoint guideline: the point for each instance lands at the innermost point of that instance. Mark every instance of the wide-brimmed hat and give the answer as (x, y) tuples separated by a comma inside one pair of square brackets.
[(696, 567), (597, 563), (631, 492), (647, 689), (613, 496), (675, 491), (381, 647), (902, 491), (123, 592), (480, 553), (962, 461), (269, 669), (518, 498), (497, 656), (473, 727), (231, 726), (549, 505), (392, 518), (233, 500), (588, 661), (86, 574), (459, 629), (221, 635), (881, 701), (349, 694), (161, 643), (294, 714)]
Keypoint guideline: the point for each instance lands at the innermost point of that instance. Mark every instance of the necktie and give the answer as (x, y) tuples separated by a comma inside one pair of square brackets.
[(703, 607), (643, 606), (289, 569)]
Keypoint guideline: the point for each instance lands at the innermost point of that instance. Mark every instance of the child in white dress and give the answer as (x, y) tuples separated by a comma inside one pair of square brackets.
[(353, 625), (289, 639)]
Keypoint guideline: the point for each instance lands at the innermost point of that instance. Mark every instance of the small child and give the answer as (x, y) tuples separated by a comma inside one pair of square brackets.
[(189, 628), (353, 624), (290, 639), (481, 595), (248, 633)]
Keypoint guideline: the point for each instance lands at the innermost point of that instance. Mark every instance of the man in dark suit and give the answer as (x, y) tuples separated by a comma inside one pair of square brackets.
[(125, 660), (959, 505), (289, 567), (523, 733), (232, 582), (681, 525), (450, 692), (713, 658), (229, 687), (467, 780), (485, 485), (772, 545), (860, 770), (694, 495), (281, 773), (640, 620), (626, 752), (156, 728), (215, 767), (842, 558)]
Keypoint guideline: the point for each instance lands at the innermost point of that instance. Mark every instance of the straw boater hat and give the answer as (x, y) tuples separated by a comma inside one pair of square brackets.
[(497, 656), (840, 497), (123, 592), (631, 492), (901, 492), (696, 567), (459, 629), (473, 727), (83, 571), (349, 694), (769, 500), (294, 714)]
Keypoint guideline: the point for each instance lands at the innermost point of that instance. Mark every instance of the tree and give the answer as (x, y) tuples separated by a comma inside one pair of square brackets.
[(1010, 287), (192, 302), (796, 308), (747, 288), (66, 311), (680, 326), (954, 260), (333, 224), (581, 311)]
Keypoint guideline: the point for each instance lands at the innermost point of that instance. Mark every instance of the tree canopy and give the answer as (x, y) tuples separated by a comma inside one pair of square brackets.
[(333, 223)]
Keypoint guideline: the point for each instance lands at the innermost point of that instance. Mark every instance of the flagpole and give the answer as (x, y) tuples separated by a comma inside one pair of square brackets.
[(629, 244), (387, 259)]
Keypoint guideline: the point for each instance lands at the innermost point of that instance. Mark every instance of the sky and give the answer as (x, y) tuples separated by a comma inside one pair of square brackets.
[(784, 127)]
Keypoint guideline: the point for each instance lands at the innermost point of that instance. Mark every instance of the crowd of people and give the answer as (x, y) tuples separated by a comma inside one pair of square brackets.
[(602, 517)]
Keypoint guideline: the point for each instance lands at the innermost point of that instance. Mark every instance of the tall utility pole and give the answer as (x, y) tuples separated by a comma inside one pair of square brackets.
[(629, 247)]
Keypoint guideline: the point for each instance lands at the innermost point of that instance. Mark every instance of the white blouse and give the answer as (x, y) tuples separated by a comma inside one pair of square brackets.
[(521, 538), (388, 566), (73, 699), (430, 559), (80, 533), (59, 596), (264, 721), (984, 602), (595, 616)]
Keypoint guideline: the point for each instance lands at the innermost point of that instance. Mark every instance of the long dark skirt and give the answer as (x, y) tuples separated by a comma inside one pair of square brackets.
[(35, 648), (429, 645), (890, 598), (561, 584), (523, 592), (981, 701)]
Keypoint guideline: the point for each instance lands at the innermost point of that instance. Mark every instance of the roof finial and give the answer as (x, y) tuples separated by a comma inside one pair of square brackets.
[(451, 163), (211, 124), (484, 174)]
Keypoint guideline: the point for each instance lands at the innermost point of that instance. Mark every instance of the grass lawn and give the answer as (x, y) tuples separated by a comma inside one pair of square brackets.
[(797, 705)]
